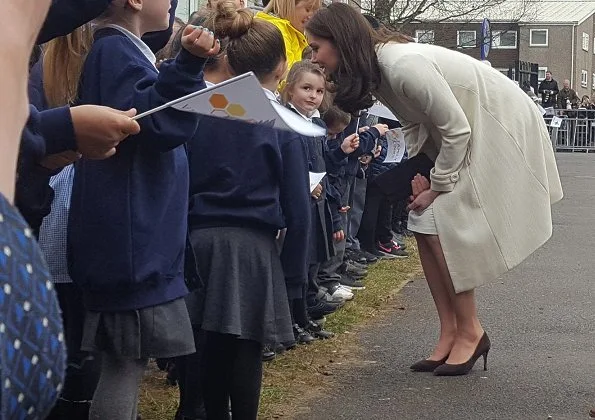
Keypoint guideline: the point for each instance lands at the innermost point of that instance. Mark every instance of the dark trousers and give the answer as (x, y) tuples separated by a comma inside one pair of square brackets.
[(390, 187)]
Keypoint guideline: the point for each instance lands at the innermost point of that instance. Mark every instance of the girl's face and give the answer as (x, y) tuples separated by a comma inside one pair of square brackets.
[(304, 10), (324, 53), (307, 93)]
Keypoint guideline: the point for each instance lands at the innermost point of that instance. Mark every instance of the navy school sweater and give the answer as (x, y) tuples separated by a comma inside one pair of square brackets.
[(248, 175), (51, 131), (321, 159), (127, 226)]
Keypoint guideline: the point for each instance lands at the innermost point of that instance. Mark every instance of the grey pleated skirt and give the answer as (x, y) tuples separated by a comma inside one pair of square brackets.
[(161, 331), (244, 287)]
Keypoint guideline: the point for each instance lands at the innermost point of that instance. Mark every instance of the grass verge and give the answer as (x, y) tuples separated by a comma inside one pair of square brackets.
[(312, 367)]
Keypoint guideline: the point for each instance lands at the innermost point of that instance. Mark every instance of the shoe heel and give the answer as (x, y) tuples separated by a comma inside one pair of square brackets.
[(485, 360)]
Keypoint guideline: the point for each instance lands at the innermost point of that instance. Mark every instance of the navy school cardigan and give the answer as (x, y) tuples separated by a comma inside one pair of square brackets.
[(127, 227), (248, 175)]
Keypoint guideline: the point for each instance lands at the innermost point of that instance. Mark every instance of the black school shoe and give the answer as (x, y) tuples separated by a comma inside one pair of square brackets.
[(321, 308), (347, 280), (355, 255), (301, 335), (267, 354), (316, 331)]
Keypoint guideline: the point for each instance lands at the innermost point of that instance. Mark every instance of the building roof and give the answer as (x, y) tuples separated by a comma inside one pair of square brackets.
[(522, 11)]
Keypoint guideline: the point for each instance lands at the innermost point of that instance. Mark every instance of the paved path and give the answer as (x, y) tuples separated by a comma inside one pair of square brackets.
[(541, 320)]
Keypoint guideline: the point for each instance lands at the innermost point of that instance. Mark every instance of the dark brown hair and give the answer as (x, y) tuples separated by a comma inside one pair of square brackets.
[(254, 44), (334, 115), (358, 73)]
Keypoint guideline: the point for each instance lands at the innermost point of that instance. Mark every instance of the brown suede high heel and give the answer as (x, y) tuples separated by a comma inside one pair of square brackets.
[(482, 349), (426, 365)]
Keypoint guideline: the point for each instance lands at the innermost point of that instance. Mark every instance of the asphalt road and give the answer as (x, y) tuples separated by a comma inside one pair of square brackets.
[(541, 321)]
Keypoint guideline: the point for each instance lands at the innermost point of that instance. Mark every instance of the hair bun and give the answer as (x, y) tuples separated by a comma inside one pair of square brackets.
[(231, 22)]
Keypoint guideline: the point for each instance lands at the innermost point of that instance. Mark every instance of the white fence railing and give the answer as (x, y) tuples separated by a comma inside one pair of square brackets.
[(572, 130)]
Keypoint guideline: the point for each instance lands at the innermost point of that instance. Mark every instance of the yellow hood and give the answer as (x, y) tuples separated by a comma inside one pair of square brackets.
[(295, 41)]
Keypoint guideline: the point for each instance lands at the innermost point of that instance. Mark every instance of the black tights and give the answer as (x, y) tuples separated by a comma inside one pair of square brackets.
[(232, 370)]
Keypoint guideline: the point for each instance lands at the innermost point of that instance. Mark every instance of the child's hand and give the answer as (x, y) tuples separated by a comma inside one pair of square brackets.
[(383, 128), (350, 144), (377, 151), (99, 129), (200, 42), (339, 235), (317, 192), (365, 159)]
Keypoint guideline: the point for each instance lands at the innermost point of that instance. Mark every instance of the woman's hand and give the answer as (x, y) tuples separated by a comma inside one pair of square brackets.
[(423, 201), (200, 42), (419, 184)]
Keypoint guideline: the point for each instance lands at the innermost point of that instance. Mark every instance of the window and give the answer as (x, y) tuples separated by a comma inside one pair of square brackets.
[(505, 71), (538, 38), (504, 39), (425, 36), (585, 41), (466, 39), (541, 73), (593, 81), (584, 78)]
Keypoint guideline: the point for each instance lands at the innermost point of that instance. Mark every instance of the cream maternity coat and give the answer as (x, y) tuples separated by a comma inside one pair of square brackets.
[(494, 158)]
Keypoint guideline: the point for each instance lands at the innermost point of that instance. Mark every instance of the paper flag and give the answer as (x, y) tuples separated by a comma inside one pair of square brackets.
[(315, 179), (243, 98), (396, 145), (556, 122), (379, 110)]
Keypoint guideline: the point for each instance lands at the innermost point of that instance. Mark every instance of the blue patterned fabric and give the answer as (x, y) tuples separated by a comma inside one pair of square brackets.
[(32, 352)]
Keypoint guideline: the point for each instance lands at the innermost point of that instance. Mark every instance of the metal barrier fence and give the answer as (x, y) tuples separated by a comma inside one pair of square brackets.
[(572, 130)]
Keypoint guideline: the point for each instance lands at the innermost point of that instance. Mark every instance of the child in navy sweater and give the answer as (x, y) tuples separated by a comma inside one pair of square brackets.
[(246, 183), (304, 93), (127, 227)]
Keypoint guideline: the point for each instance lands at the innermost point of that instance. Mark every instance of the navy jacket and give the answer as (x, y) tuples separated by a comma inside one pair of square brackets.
[(127, 227), (367, 142), (248, 175)]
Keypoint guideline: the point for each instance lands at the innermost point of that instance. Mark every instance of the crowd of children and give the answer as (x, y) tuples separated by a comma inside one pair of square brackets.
[(222, 209)]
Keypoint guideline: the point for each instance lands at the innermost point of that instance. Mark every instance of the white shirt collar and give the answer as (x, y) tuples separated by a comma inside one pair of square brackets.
[(315, 114), (209, 84), (271, 96), (144, 48)]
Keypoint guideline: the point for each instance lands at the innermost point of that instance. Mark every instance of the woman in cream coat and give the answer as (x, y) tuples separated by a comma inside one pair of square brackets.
[(494, 176)]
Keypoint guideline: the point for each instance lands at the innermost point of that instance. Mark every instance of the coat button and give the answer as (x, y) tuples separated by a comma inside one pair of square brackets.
[(454, 177)]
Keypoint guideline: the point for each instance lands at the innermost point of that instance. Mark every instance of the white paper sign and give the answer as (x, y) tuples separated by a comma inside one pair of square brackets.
[(315, 179), (379, 110), (242, 98), (556, 122), (396, 145)]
